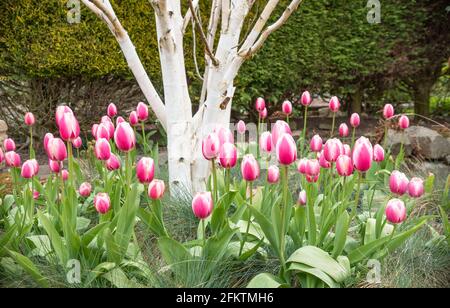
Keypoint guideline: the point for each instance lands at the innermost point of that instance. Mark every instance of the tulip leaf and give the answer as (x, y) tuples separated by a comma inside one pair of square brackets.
[(297, 267), (30, 268), (89, 235), (56, 240), (340, 236), (266, 227), (266, 281)]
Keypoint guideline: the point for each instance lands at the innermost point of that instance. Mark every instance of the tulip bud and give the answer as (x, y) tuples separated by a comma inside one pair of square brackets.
[(313, 167), (403, 122), (395, 211), (225, 135), (344, 165), (388, 111), (415, 188), (102, 203), (145, 170), (60, 111), (316, 143), (322, 161), (12, 159), (142, 111), (113, 163), (65, 175), (265, 142), (241, 128), (9, 145), (112, 110), (55, 166), (56, 149), (156, 189), (106, 121), (286, 107), (263, 114), (249, 168), (119, 120), (343, 130), (301, 165), (398, 182), (28, 170), (69, 129), (273, 174), (278, 129), (134, 120), (362, 154), (302, 197), (355, 120), (77, 143), (85, 189), (211, 146), (94, 130), (29, 119), (36, 194), (228, 155), (102, 149), (378, 153), (306, 99), (332, 149), (347, 150), (124, 137), (103, 132), (286, 150), (202, 205), (334, 104), (260, 104)]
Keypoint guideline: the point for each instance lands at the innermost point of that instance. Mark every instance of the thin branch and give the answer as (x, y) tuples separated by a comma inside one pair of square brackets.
[(202, 35), (194, 52), (188, 16)]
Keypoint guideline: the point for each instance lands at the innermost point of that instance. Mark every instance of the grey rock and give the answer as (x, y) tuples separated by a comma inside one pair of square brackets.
[(428, 143), (3, 130), (395, 139)]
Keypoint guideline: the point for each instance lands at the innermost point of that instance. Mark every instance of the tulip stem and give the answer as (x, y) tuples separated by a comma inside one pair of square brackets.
[(250, 188), (31, 143), (332, 125), (144, 139), (353, 136), (358, 191), (305, 118), (214, 174), (71, 175), (283, 215), (128, 171), (204, 236), (258, 128), (385, 135), (227, 180)]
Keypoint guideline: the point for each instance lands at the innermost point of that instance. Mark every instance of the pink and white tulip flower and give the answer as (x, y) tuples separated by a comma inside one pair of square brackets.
[(332, 149), (102, 149), (334, 104), (112, 110), (113, 163), (56, 149), (156, 189), (28, 170), (133, 118), (403, 122), (119, 120), (313, 167), (77, 143), (378, 153), (395, 211), (85, 189), (102, 203), (211, 146), (29, 119), (249, 168), (109, 125), (94, 129), (241, 127), (263, 114), (316, 143), (362, 154), (47, 138), (145, 170), (260, 104), (65, 175), (12, 159), (265, 142), (228, 155), (55, 166), (2, 156), (286, 107), (142, 111), (306, 99), (60, 111), (312, 178), (273, 174), (343, 130), (202, 205), (103, 131), (9, 145), (286, 150), (355, 120), (225, 135), (322, 160), (124, 137), (36, 194), (301, 165), (388, 111), (347, 150), (279, 128), (344, 165), (302, 198), (69, 129), (415, 187), (398, 182)]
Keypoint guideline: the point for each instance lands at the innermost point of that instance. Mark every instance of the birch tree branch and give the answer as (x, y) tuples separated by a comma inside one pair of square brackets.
[(188, 16)]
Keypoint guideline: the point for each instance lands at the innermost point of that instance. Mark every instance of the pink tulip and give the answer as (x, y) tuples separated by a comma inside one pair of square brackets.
[(302, 197), (60, 111), (113, 163), (77, 143), (286, 150), (415, 188), (85, 189), (344, 165), (28, 170), (102, 149), (112, 110), (55, 166), (142, 111), (316, 143), (211, 146), (119, 120), (241, 128), (263, 114), (124, 137), (228, 155), (355, 120), (69, 129), (2, 156), (347, 150), (29, 119), (35, 165), (109, 125), (65, 175), (273, 174), (388, 111), (343, 130), (332, 149), (103, 131), (145, 170), (225, 135), (279, 128), (301, 165), (94, 130), (403, 122), (395, 211), (306, 99), (249, 168), (398, 182), (313, 167), (134, 120), (156, 189), (102, 203), (9, 145), (36, 194), (322, 161), (56, 149), (378, 153), (202, 205), (260, 104), (334, 104), (312, 178), (47, 137), (287, 107), (12, 159), (362, 154), (265, 142)]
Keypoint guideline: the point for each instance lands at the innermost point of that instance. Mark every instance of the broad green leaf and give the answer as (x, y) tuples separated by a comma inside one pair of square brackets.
[(89, 235), (30, 268), (340, 236), (119, 279), (266, 281), (100, 270), (42, 245), (314, 272), (370, 231), (56, 240), (82, 223)]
